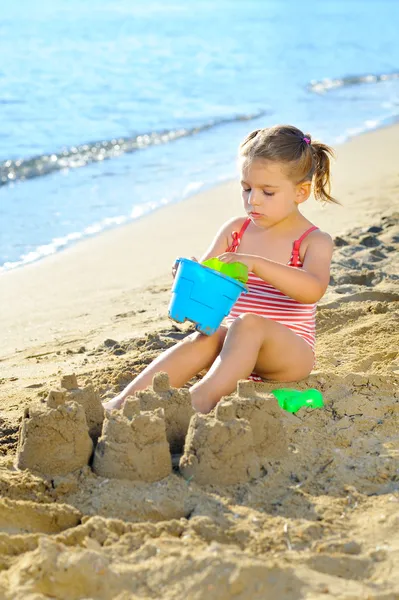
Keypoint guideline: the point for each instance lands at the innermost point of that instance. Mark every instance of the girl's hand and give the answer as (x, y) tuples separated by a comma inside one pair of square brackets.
[(175, 266), (246, 259)]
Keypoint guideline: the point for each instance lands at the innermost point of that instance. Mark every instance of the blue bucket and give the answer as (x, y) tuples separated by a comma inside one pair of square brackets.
[(202, 295)]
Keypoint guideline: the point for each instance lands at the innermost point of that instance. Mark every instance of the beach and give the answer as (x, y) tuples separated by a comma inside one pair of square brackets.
[(320, 518)]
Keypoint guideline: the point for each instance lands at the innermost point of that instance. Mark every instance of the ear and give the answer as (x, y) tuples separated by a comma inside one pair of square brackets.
[(302, 191)]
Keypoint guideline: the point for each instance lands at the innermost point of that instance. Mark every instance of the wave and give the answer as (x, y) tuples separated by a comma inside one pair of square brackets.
[(80, 156), (138, 211), (59, 243), (326, 85)]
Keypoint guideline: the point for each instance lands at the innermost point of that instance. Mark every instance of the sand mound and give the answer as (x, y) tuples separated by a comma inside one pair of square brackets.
[(313, 512), (19, 516), (77, 573), (358, 321)]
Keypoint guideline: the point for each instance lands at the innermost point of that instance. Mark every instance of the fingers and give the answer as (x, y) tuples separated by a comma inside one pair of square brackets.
[(176, 265), (174, 268), (225, 257)]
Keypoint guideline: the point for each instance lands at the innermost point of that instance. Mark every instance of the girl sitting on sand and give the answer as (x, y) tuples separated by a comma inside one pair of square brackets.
[(270, 332)]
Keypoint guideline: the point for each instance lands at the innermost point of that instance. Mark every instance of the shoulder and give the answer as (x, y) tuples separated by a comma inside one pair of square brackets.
[(324, 240), (233, 225), (320, 237), (317, 241), (224, 237)]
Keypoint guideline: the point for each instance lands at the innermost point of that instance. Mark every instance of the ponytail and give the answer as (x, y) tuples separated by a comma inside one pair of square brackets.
[(321, 171)]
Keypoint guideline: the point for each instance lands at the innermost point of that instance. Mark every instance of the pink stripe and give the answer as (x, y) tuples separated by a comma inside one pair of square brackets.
[(272, 301), (276, 306), (308, 322), (295, 316)]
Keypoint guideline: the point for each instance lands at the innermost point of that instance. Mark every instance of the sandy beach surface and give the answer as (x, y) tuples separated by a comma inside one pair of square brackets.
[(248, 502)]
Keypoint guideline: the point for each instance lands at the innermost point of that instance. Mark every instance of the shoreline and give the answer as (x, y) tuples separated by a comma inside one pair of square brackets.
[(209, 187), (90, 282)]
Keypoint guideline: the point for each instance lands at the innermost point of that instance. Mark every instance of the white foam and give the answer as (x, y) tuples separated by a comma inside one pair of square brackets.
[(192, 187), (58, 243), (368, 125)]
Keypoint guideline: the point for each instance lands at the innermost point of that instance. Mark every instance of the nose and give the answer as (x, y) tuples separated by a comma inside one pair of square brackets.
[(254, 198)]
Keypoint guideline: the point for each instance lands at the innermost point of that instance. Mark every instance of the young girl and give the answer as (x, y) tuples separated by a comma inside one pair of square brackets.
[(270, 332)]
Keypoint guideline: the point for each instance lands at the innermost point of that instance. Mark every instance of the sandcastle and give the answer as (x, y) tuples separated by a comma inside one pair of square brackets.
[(233, 443), (89, 399), (219, 451), (230, 445), (176, 404), (134, 448), (54, 441), (56, 436), (267, 420)]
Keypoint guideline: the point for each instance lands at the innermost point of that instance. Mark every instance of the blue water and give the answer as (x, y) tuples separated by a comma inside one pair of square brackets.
[(111, 109)]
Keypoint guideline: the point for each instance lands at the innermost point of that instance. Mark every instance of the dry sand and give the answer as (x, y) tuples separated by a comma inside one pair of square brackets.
[(265, 504)]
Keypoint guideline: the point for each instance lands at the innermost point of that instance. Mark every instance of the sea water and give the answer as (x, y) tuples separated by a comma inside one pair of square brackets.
[(109, 110)]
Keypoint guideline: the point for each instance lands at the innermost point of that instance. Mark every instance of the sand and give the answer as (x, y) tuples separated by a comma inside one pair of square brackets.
[(248, 502)]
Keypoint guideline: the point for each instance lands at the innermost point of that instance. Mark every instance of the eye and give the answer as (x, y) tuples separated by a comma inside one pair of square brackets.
[(265, 193)]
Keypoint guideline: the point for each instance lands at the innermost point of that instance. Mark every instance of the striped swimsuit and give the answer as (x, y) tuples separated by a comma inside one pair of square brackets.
[(265, 300)]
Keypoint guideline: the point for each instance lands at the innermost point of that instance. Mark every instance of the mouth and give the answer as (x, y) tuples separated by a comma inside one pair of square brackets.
[(255, 215)]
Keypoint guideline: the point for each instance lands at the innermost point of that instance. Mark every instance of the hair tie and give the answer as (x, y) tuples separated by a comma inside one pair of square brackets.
[(307, 140)]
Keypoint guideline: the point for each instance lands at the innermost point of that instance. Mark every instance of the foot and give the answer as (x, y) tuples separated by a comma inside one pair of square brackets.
[(114, 403), (200, 403)]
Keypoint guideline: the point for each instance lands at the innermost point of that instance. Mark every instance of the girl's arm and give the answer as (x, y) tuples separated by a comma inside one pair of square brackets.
[(220, 242), (307, 285), (221, 239)]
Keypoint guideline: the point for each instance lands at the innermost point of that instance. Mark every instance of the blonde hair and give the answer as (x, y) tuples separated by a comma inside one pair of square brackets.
[(306, 160)]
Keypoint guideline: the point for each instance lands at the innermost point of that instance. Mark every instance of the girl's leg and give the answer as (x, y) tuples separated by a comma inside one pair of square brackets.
[(253, 343), (181, 362)]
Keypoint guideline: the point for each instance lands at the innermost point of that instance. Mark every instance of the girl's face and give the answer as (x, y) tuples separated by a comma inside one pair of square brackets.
[(269, 196)]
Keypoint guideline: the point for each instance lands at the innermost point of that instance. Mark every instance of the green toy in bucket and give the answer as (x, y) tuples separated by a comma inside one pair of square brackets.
[(292, 400), (236, 270)]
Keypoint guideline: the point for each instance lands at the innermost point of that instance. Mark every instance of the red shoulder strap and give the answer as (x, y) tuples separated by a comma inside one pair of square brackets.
[(297, 245), (238, 236)]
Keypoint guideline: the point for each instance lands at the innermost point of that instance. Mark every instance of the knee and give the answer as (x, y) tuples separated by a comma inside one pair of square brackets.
[(215, 340), (251, 326), (248, 322)]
